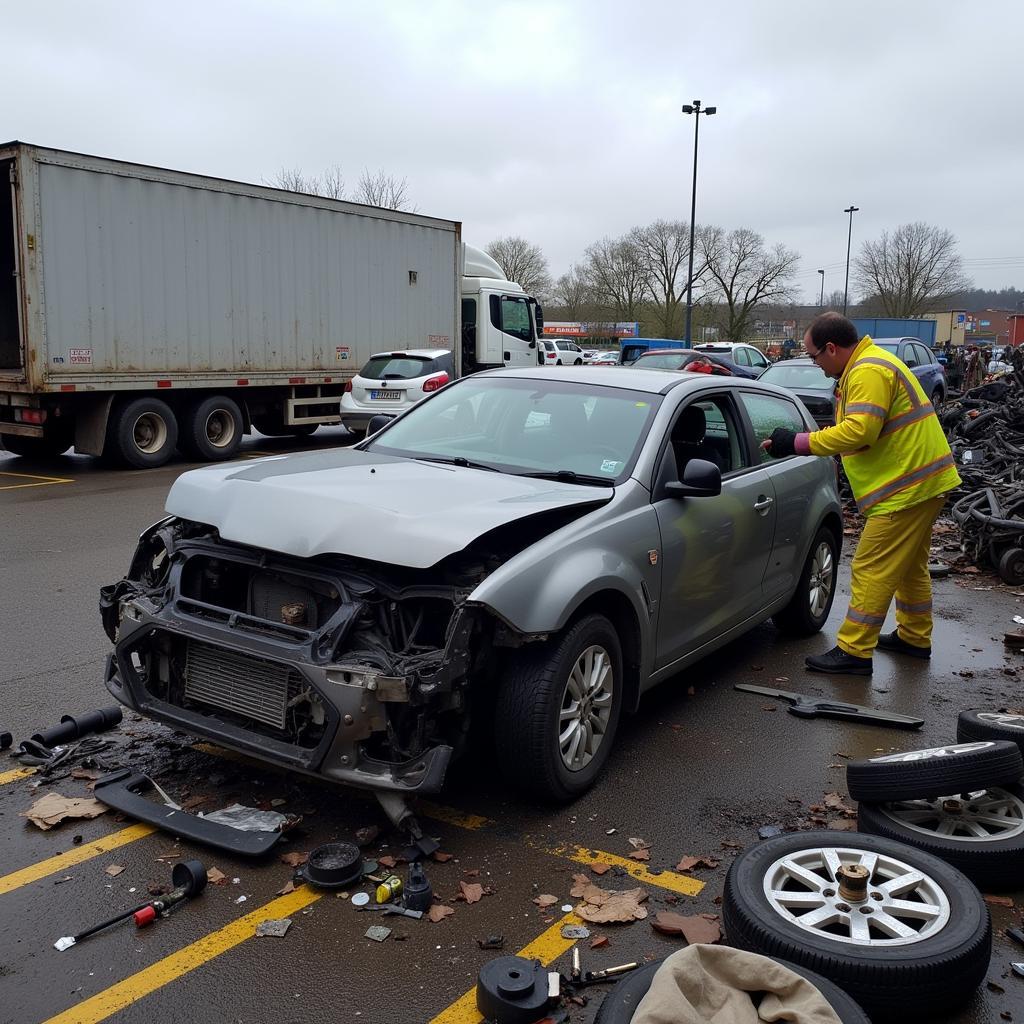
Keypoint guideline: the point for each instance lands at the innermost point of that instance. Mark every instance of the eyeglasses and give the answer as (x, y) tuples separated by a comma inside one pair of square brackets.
[(815, 356)]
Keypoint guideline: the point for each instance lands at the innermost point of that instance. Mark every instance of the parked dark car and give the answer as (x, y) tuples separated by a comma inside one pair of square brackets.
[(809, 383), (679, 359), (922, 362)]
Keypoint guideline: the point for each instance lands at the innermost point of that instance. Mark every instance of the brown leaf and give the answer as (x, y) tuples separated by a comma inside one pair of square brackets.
[(695, 929), (114, 870), (833, 800), (217, 877), (600, 868), (472, 892), (580, 884), (604, 906), (288, 887), (689, 863), (437, 913), (999, 901), (84, 773), (386, 861), (293, 860), (640, 855), (473, 873), (442, 858), (843, 825), (545, 900), (599, 942)]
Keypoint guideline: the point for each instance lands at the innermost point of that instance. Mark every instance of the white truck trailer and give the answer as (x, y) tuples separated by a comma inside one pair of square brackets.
[(144, 309)]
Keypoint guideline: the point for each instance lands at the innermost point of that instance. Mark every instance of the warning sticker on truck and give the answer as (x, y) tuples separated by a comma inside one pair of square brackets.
[(437, 340), (81, 355), (341, 353)]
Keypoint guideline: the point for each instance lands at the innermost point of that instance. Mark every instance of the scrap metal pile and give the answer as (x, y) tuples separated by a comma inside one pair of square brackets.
[(985, 427)]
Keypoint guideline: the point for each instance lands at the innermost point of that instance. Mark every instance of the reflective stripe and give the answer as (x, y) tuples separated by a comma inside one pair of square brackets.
[(865, 618), (900, 376), (902, 482), (919, 608), (905, 419), (868, 408)]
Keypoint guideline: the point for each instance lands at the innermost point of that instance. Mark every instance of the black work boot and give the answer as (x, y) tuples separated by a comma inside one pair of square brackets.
[(839, 663), (895, 643)]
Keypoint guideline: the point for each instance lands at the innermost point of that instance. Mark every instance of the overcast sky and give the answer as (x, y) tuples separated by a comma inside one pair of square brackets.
[(560, 121)]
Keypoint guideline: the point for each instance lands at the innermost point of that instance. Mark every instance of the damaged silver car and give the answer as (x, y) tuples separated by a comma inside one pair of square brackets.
[(517, 558)]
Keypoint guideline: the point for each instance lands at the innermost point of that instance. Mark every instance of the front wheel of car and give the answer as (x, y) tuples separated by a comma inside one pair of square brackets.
[(812, 600), (558, 710)]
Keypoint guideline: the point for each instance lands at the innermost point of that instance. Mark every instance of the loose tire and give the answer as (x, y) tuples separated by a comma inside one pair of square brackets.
[(816, 590), (212, 429), (143, 433), (979, 833), (917, 946), (558, 709), (1011, 566), (990, 725), (935, 771), (47, 447), (620, 1004)]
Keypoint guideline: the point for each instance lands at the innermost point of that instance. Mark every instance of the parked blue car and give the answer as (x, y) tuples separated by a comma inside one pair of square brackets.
[(922, 362)]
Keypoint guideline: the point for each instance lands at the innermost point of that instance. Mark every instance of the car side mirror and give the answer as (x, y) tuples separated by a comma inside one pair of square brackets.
[(701, 479), (378, 422)]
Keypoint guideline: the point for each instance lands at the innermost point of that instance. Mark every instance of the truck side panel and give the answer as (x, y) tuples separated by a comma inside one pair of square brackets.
[(144, 276)]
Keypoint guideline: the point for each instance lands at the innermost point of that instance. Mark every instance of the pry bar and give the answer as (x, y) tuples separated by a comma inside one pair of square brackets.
[(822, 707)]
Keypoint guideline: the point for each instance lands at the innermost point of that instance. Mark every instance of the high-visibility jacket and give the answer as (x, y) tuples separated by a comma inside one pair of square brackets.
[(894, 451)]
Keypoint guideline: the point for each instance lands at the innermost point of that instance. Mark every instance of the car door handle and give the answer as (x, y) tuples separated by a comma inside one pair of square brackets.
[(763, 503)]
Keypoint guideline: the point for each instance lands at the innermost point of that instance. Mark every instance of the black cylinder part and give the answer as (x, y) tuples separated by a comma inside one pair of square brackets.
[(512, 990), (419, 893), (189, 875), (73, 727)]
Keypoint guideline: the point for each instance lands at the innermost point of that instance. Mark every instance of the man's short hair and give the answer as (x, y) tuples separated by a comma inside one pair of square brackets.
[(834, 328)]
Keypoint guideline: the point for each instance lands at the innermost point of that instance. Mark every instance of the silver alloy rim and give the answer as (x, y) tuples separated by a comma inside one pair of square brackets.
[(822, 575), (220, 428), (997, 718), (149, 433), (903, 904), (586, 708), (931, 753), (985, 816)]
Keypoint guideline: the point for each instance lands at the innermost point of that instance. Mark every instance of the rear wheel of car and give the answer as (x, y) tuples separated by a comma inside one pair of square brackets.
[(212, 429), (904, 933), (816, 590), (578, 362), (558, 710), (56, 441), (142, 433)]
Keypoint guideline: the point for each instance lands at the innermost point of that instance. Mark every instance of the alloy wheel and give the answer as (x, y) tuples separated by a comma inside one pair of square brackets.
[(586, 708), (822, 579), (985, 816)]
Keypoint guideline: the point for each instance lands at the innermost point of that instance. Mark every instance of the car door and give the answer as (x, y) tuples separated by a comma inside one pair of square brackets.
[(714, 551), (792, 480), (758, 361), (929, 370)]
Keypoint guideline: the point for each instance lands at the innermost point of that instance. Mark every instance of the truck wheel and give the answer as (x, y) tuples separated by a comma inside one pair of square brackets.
[(558, 709), (807, 611), (212, 429), (143, 433), (47, 447), (906, 935)]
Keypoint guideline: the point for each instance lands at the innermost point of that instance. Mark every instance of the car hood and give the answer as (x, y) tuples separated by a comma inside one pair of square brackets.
[(362, 504)]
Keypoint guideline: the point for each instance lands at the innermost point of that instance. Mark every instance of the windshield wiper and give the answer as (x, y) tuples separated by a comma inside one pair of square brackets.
[(456, 460), (569, 476)]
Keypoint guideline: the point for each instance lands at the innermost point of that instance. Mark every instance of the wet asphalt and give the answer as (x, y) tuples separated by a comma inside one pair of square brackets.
[(696, 772)]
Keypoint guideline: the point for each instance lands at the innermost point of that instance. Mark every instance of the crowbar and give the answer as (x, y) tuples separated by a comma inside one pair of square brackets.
[(822, 707)]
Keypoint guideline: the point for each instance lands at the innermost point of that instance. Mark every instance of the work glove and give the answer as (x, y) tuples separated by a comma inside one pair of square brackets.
[(781, 443)]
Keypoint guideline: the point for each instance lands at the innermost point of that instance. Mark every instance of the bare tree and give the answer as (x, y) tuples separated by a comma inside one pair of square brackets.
[(572, 292), (384, 190), (618, 277), (523, 262), (747, 274), (330, 184), (910, 269), (664, 247)]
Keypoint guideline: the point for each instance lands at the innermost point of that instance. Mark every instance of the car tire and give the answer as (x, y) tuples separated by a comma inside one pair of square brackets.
[(620, 1004), (51, 445), (781, 899), (142, 433), (537, 688), (212, 428), (981, 834), (816, 590), (934, 771), (990, 725), (578, 362), (1011, 566), (938, 397)]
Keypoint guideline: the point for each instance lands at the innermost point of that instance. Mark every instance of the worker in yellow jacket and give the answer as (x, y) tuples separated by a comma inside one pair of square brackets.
[(900, 467)]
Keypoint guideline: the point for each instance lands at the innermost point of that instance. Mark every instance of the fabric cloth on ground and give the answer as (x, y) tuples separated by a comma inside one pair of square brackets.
[(716, 984)]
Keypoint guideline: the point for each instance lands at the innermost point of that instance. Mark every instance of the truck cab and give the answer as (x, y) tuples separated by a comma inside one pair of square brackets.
[(500, 322)]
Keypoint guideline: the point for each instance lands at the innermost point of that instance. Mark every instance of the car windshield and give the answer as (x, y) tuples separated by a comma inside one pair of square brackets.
[(798, 375), (663, 360), (569, 431), (396, 366), (889, 346)]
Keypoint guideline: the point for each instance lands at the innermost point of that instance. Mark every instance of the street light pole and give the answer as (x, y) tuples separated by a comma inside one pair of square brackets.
[(696, 110), (821, 301), (851, 210)]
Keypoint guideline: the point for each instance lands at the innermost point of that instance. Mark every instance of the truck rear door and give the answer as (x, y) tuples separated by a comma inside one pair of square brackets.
[(10, 318)]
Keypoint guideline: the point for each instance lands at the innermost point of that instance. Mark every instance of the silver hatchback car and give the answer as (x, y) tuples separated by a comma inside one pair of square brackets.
[(520, 555)]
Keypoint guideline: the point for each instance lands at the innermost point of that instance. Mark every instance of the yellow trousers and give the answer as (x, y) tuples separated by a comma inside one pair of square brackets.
[(892, 559)]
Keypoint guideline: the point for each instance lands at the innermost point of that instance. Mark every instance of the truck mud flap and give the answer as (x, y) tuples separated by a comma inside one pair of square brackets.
[(123, 790)]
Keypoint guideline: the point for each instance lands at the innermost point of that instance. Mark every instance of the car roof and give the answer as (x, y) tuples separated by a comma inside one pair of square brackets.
[(419, 353), (802, 360), (894, 341)]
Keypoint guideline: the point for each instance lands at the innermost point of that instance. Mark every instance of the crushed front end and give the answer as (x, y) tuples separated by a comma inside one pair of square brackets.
[(354, 671)]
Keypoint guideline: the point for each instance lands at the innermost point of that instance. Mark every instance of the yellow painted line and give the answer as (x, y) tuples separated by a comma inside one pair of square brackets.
[(14, 774), (452, 816), (124, 993), (681, 884), (42, 481), (548, 946), (76, 855)]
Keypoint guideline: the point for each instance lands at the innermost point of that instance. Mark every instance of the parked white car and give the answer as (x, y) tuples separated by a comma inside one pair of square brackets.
[(606, 358), (740, 353), (390, 382), (559, 352)]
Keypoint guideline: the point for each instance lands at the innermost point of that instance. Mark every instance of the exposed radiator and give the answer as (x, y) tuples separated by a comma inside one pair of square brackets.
[(250, 686)]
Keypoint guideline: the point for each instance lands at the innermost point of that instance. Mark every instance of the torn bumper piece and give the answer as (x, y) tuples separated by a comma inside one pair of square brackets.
[(123, 790)]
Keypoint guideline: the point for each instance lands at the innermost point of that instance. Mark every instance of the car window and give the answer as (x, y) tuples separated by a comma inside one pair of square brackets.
[(798, 375), (706, 429), (757, 359), (889, 346), (512, 316), (741, 357), (910, 356), (924, 355), (663, 360), (767, 412), (397, 366)]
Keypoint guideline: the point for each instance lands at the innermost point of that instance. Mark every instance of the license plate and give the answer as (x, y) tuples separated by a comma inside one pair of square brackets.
[(385, 396)]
